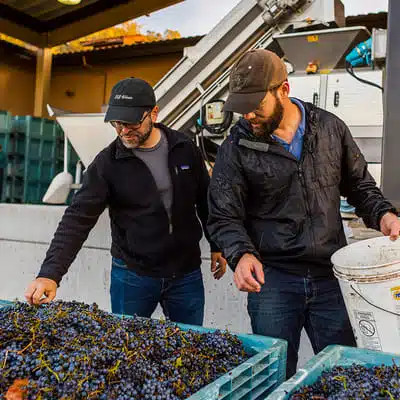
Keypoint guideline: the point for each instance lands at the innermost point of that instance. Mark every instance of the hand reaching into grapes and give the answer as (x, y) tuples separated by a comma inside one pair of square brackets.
[(41, 287)]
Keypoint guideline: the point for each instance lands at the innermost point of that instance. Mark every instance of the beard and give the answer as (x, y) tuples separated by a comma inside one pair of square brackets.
[(267, 127), (137, 139)]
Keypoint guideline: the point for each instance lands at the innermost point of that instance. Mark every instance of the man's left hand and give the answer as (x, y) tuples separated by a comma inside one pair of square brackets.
[(218, 265), (390, 225)]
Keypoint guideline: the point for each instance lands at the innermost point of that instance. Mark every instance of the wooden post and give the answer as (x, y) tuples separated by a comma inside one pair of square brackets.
[(43, 78)]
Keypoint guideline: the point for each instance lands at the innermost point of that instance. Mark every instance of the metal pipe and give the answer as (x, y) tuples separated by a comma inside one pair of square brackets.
[(78, 172), (65, 153)]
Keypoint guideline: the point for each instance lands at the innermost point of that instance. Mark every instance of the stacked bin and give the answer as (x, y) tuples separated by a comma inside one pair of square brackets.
[(35, 154), (5, 138)]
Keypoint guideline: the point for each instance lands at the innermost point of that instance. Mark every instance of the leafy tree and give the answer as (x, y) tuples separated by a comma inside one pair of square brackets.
[(128, 32)]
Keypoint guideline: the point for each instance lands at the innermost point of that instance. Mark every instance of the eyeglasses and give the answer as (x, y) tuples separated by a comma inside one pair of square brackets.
[(119, 125)]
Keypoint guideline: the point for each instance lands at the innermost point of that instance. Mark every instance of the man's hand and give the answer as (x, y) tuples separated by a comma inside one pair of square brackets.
[(390, 225), (40, 287), (249, 274), (218, 265)]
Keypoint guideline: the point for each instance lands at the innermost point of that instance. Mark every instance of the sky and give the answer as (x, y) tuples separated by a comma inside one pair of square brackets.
[(198, 17)]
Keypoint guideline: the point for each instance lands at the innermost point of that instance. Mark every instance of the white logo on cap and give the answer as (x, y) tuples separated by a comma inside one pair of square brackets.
[(123, 97)]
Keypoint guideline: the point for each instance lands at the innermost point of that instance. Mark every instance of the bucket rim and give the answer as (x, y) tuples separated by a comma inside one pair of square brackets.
[(365, 279), (348, 247)]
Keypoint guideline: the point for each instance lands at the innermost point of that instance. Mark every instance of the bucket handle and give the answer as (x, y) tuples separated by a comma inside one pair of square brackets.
[(372, 304)]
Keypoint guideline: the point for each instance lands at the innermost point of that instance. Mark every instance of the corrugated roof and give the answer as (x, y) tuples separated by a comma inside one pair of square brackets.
[(9, 51), (113, 43), (47, 23), (370, 21), (127, 51)]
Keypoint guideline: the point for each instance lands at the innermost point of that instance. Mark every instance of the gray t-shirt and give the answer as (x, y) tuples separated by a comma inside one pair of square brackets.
[(156, 159)]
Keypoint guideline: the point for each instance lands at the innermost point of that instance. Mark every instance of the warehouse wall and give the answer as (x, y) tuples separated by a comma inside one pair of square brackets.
[(17, 85), (86, 89), (25, 233), (78, 89)]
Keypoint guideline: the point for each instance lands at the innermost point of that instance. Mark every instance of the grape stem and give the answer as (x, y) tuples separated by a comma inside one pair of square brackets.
[(5, 359)]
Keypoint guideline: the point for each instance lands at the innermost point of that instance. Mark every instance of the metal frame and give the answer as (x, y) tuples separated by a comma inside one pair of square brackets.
[(391, 123), (209, 62), (321, 32)]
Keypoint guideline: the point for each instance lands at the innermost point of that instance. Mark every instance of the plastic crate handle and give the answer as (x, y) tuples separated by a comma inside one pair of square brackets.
[(299, 377)]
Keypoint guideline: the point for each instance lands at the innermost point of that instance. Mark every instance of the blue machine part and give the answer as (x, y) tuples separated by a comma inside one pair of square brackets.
[(361, 54), (345, 207)]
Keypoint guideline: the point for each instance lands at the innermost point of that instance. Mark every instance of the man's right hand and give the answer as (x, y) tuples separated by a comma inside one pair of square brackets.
[(249, 274), (40, 287)]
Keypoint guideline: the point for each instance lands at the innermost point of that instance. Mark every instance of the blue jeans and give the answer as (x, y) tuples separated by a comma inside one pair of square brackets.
[(287, 303), (182, 299)]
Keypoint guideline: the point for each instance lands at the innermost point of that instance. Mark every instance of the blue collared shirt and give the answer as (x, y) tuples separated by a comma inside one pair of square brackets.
[(296, 147)]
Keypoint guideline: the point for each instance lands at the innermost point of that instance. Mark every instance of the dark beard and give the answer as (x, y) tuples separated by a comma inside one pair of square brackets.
[(143, 138), (268, 127)]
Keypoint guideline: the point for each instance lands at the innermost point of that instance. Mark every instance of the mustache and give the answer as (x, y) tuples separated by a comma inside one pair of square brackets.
[(255, 121)]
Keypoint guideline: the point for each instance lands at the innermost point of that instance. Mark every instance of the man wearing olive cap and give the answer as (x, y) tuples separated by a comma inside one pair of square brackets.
[(274, 203), (154, 183)]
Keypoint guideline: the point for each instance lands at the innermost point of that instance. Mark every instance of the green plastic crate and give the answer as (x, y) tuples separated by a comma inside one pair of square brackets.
[(253, 379), (39, 171), (13, 190), (35, 127), (331, 357), (16, 144), (5, 121), (33, 158)]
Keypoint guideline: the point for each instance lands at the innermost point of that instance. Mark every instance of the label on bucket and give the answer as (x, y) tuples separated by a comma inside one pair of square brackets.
[(368, 332), (396, 292)]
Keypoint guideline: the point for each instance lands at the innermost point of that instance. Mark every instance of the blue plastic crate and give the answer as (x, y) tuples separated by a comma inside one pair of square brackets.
[(4, 303), (252, 380), (255, 378), (327, 359)]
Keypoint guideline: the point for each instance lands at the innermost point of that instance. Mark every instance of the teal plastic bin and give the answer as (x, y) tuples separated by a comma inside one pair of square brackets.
[(255, 378), (252, 380), (35, 153), (36, 127), (5, 121), (331, 357)]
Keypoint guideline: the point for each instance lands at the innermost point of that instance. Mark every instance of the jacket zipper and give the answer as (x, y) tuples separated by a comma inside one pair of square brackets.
[(306, 198), (172, 171)]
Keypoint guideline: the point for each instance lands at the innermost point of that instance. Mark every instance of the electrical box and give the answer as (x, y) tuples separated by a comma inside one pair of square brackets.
[(306, 88), (379, 39), (214, 113), (355, 102)]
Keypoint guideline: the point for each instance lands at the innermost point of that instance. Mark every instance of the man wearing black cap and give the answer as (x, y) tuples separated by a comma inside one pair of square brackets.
[(274, 203), (154, 182)]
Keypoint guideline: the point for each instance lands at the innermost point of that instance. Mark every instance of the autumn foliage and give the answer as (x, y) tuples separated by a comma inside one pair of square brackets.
[(126, 33)]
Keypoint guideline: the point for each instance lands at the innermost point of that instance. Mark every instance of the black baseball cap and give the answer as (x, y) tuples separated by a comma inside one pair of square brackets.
[(129, 100), (256, 72)]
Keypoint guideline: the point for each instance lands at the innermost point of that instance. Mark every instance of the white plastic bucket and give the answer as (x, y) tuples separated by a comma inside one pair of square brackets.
[(369, 275)]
